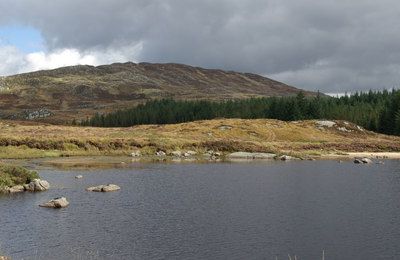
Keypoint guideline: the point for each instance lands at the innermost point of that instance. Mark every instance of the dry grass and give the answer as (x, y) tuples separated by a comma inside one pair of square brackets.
[(27, 140)]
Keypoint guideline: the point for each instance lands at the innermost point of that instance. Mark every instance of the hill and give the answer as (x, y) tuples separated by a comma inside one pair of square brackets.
[(300, 138), (66, 93)]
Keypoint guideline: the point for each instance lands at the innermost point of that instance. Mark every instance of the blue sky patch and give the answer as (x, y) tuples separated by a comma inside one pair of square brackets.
[(27, 39)]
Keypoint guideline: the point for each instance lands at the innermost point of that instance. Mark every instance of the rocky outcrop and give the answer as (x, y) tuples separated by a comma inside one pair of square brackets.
[(104, 188), (37, 185), (56, 203)]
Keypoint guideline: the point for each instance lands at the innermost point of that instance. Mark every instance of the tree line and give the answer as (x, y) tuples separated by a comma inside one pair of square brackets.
[(377, 111)]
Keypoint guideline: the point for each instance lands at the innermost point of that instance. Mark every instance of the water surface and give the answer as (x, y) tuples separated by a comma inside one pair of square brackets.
[(256, 210)]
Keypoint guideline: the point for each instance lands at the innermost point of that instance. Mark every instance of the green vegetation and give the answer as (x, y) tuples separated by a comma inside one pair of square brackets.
[(15, 175), (376, 111)]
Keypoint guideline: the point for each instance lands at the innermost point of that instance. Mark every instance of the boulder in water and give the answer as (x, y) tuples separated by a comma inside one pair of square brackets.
[(56, 203), (37, 185), (104, 188)]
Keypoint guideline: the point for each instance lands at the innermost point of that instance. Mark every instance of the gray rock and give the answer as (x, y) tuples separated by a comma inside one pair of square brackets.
[(160, 153), (16, 189), (286, 158), (104, 188), (136, 154), (189, 153), (247, 155), (366, 160), (78, 177), (37, 185), (357, 161), (176, 153), (56, 203)]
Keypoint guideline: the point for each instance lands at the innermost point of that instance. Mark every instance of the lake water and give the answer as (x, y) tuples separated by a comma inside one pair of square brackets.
[(257, 210)]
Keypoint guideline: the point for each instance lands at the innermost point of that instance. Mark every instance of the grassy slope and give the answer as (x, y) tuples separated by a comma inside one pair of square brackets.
[(29, 140)]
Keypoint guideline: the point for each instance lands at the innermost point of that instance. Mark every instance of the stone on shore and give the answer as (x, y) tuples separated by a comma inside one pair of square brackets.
[(5, 258), (56, 203), (136, 154), (286, 158), (176, 153), (104, 188), (37, 185), (247, 155)]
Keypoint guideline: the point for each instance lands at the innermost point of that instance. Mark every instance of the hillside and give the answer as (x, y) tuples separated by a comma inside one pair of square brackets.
[(305, 138), (79, 91)]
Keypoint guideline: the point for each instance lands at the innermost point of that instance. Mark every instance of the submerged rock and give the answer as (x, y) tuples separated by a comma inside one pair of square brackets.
[(357, 161), (56, 203), (37, 185), (104, 188)]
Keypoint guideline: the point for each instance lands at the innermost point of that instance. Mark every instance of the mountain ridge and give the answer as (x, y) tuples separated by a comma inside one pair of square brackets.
[(75, 92)]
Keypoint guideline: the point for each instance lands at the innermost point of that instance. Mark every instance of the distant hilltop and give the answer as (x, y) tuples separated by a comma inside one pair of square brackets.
[(76, 92)]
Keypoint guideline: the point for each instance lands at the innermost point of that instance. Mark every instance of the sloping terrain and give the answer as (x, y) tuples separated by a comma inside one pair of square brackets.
[(308, 138), (79, 91)]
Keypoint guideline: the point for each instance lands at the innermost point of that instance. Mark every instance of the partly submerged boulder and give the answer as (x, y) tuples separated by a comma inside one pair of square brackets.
[(56, 203), (104, 188), (16, 189), (78, 177), (366, 160), (37, 185)]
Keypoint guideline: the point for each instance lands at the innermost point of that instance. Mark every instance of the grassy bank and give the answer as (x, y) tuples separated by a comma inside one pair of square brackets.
[(30, 140), (15, 175)]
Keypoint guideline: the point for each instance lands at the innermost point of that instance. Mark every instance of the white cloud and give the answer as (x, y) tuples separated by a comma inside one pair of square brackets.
[(15, 61)]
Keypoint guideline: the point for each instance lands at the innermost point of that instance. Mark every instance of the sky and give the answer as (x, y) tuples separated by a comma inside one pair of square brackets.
[(333, 46)]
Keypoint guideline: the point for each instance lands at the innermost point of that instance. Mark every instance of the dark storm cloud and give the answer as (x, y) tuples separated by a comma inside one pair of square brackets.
[(326, 45)]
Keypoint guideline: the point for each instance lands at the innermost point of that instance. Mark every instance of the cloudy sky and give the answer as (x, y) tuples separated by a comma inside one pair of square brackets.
[(331, 46)]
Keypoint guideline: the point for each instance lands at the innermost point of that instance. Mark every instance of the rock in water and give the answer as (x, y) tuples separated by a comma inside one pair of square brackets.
[(37, 185), (56, 203), (16, 189), (78, 177), (366, 160), (104, 188), (357, 161)]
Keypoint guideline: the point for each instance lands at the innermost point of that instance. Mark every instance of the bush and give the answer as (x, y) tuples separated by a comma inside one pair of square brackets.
[(15, 175)]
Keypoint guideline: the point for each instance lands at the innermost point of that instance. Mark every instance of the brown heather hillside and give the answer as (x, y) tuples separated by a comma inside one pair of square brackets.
[(79, 91), (305, 138)]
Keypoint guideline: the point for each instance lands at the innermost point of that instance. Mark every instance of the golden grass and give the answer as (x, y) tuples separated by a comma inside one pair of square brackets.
[(31, 140)]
